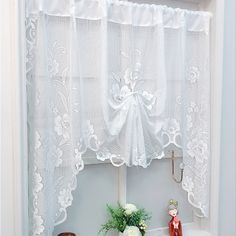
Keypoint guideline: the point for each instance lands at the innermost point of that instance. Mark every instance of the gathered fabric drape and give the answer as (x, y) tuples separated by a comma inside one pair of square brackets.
[(116, 81)]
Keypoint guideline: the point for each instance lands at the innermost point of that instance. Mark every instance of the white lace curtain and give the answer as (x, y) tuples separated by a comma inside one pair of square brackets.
[(118, 81)]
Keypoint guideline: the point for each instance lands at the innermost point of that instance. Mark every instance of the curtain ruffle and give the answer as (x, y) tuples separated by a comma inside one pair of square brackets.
[(123, 12)]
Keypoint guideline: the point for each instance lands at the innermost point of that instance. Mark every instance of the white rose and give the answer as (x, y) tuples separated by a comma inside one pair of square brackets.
[(132, 231), (130, 208)]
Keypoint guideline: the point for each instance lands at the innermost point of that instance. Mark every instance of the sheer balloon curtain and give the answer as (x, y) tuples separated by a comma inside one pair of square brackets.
[(118, 81)]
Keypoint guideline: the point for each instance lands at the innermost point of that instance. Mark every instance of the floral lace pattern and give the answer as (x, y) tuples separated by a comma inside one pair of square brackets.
[(193, 74), (38, 223), (134, 105), (61, 126), (128, 112), (197, 149), (65, 198), (171, 129), (51, 146), (55, 156)]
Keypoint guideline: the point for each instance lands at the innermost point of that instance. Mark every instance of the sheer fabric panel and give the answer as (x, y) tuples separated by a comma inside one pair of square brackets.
[(119, 81)]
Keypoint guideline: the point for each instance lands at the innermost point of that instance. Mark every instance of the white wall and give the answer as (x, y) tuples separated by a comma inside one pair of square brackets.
[(10, 171), (227, 224)]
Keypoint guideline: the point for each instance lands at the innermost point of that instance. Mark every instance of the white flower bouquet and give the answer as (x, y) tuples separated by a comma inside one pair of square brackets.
[(128, 219)]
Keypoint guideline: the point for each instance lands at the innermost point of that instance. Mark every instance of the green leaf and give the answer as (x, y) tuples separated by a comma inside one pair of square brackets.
[(119, 220)]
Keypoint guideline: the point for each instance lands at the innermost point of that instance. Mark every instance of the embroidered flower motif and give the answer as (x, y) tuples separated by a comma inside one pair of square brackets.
[(128, 76), (193, 74), (122, 91), (125, 86), (56, 50), (38, 227), (189, 122), (105, 154), (193, 108), (38, 143), (53, 66), (37, 182), (78, 162), (54, 156), (119, 91), (31, 27), (65, 198), (89, 139), (171, 126), (150, 98), (61, 125), (198, 149), (171, 129), (131, 77), (147, 95), (188, 184), (179, 100)]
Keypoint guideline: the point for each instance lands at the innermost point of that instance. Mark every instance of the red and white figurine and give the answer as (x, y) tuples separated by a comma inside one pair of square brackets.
[(175, 227)]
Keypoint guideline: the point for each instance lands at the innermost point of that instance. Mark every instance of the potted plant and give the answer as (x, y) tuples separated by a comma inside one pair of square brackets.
[(128, 220)]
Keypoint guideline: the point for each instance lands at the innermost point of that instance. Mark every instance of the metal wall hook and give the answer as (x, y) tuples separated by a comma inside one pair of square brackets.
[(173, 168)]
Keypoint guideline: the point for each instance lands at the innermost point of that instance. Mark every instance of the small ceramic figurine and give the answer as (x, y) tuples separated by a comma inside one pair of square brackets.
[(175, 227)]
